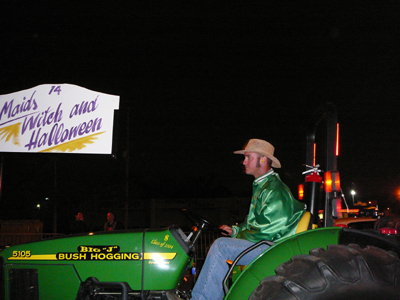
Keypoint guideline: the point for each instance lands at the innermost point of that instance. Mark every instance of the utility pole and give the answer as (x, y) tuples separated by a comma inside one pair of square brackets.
[(55, 197), (127, 174)]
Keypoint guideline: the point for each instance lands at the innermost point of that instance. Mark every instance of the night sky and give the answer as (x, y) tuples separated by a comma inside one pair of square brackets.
[(198, 79)]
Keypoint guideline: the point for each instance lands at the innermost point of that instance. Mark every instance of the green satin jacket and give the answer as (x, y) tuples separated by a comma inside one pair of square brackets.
[(273, 214)]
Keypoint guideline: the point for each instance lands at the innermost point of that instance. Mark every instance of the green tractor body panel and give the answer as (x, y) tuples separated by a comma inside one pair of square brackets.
[(266, 263), (149, 259)]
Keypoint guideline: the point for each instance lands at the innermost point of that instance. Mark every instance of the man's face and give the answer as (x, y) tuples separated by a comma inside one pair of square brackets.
[(110, 217), (252, 164)]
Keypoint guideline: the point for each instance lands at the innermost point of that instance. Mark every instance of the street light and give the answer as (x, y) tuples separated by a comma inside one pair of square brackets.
[(352, 192)]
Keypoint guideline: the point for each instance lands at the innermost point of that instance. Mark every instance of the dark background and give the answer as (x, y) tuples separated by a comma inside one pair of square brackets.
[(196, 80)]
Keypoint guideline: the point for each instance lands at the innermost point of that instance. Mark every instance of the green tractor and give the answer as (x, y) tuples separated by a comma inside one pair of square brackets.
[(319, 262)]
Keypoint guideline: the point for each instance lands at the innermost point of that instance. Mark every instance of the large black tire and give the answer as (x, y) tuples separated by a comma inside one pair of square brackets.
[(340, 272)]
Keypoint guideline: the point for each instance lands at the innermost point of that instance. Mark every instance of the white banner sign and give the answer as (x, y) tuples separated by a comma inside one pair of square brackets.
[(61, 118)]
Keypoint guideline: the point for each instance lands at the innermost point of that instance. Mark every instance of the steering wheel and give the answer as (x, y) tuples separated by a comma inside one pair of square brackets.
[(196, 218)]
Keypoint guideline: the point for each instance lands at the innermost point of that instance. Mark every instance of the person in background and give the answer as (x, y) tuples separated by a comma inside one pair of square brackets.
[(111, 224), (79, 225)]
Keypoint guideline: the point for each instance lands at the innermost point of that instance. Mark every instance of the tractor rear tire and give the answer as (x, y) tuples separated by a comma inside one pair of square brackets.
[(340, 272)]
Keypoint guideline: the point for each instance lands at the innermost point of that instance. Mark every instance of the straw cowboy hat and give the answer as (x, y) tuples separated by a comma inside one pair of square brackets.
[(263, 148)]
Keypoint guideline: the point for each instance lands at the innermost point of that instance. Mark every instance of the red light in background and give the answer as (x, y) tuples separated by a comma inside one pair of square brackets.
[(337, 139), (341, 225), (301, 191), (388, 231), (339, 206), (332, 181), (315, 153)]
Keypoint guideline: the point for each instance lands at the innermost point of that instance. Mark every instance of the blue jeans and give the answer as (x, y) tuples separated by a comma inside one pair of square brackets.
[(209, 283)]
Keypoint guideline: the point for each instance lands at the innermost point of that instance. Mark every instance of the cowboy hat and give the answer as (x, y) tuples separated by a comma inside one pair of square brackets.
[(263, 148)]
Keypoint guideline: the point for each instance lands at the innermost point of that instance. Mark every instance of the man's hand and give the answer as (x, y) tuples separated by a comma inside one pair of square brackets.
[(227, 229)]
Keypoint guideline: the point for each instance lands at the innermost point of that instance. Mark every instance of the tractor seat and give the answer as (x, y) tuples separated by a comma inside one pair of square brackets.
[(304, 223)]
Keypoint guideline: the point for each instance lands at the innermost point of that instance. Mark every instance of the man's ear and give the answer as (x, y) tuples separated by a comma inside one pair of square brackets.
[(263, 161)]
